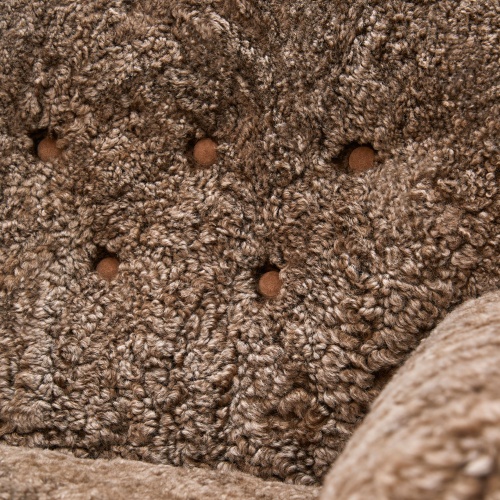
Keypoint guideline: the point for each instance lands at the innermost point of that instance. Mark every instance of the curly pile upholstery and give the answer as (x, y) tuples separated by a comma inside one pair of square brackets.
[(434, 432), (236, 303)]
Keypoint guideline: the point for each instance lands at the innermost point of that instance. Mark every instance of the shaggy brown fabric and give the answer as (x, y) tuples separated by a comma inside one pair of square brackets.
[(434, 432), (180, 359)]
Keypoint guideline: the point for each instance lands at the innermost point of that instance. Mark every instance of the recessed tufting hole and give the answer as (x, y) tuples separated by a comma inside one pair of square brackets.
[(47, 149), (37, 136), (267, 266), (106, 264), (44, 145), (270, 283), (361, 158), (356, 158), (190, 147), (205, 152)]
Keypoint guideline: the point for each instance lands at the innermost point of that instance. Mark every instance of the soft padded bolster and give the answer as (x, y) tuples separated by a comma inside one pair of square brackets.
[(45, 474), (434, 432)]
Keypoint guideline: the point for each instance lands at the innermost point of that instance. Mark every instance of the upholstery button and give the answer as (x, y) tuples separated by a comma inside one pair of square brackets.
[(47, 149), (107, 268), (205, 152), (270, 284), (361, 158)]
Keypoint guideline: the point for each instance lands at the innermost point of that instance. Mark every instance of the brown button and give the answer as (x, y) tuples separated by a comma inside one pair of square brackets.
[(205, 152), (361, 158), (270, 284), (47, 149), (108, 268)]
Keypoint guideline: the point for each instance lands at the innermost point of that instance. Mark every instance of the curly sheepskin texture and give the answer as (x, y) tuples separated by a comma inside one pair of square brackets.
[(179, 358), (442, 442)]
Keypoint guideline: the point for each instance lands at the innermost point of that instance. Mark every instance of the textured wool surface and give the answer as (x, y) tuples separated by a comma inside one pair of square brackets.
[(179, 359), (399, 452)]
